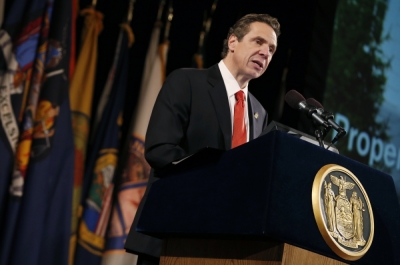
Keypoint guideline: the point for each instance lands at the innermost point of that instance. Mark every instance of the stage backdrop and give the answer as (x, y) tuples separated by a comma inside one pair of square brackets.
[(363, 83)]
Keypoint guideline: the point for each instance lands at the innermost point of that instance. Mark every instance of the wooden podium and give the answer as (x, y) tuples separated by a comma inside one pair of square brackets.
[(253, 205)]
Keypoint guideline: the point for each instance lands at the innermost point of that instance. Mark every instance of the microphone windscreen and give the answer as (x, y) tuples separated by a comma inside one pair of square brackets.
[(314, 102), (293, 98)]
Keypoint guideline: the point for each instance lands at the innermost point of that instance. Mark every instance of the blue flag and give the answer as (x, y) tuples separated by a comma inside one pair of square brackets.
[(19, 39), (101, 163), (39, 197), (20, 56)]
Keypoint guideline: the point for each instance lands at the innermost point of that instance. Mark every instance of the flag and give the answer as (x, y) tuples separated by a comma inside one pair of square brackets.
[(81, 92), (136, 172), (121, 43), (9, 131), (41, 188), (20, 52), (103, 158), (19, 39)]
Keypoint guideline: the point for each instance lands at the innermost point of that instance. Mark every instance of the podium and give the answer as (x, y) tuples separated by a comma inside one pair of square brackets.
[(253, 205)]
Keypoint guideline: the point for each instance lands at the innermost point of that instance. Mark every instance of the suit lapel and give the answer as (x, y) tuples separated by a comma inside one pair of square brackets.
[(256, 122), (221, 104)]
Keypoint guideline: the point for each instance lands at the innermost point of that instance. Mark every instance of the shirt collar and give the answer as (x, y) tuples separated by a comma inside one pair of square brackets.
[(230, 82)]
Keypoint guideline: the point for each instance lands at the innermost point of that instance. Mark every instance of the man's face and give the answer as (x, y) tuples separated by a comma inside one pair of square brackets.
[(253, 53)]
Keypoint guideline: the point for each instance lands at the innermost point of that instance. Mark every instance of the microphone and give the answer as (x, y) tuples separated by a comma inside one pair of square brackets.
[(314, 102), (327, 116), (297, 101)]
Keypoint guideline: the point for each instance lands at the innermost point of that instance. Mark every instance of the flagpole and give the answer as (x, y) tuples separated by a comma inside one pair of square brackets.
[(169, 19), (206, 24), (130, 11), (207, 20), (160, 10)]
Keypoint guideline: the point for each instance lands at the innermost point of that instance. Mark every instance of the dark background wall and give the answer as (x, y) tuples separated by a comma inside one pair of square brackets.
[(303, 47)]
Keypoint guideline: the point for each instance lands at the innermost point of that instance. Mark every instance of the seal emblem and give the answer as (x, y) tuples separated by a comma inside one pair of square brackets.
[(345, 222)]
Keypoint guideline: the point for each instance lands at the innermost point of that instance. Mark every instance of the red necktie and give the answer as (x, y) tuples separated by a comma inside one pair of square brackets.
[(239, 127)]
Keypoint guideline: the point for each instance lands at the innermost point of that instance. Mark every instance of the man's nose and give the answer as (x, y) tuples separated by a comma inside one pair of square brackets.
[(265, 51)]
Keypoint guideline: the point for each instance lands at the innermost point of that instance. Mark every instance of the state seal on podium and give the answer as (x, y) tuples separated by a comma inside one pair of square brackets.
[(342, 211)]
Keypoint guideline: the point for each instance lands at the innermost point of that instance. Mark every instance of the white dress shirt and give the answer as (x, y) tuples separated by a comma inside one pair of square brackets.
[(232, 87)]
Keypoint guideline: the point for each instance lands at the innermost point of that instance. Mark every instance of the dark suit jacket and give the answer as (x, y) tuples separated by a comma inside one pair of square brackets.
[(191, 112)]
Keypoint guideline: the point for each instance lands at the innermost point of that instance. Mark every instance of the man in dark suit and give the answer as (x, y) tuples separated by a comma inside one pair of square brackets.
[(208, 108)]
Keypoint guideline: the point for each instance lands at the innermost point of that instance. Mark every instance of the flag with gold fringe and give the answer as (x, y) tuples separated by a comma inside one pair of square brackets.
[(103, 158), (132, 184), (81, 93)]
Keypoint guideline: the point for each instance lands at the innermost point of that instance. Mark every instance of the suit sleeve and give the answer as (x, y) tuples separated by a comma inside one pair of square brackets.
[(169, 121)]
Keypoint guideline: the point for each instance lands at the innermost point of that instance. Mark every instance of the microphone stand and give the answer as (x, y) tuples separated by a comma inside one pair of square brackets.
[(318, 136), (321, 132), (320, 125)]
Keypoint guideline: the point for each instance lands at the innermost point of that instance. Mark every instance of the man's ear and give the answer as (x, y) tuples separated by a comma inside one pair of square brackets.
[(232, 41)]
